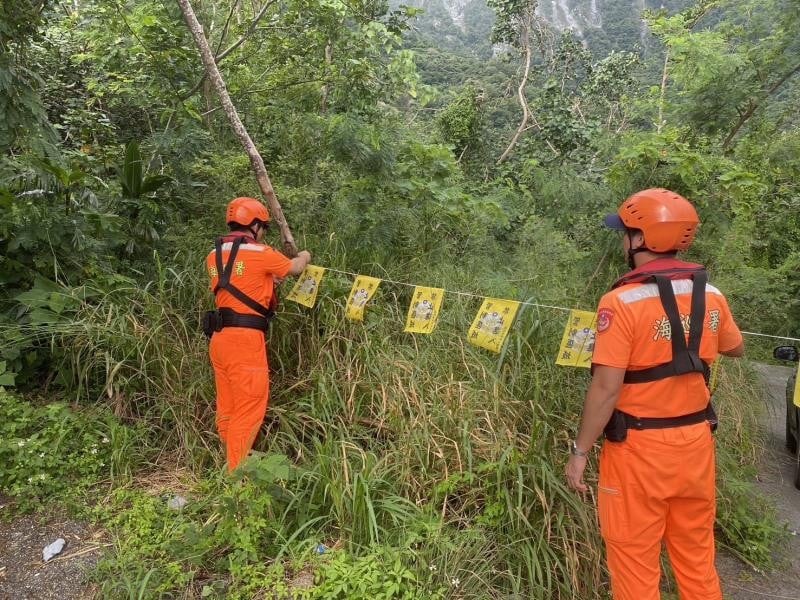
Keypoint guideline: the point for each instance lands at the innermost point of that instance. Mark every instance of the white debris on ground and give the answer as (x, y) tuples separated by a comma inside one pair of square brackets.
[(53, 549), (177, 502)]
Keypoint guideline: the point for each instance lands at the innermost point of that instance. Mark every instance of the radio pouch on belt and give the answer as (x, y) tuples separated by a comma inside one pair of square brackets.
[(616, 429), (210, 322)]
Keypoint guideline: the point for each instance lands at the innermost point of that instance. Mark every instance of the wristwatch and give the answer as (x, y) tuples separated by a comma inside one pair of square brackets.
[(575, 451)]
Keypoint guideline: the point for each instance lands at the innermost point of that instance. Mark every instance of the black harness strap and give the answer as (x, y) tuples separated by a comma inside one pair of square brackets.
[(640, 423), (230, 318), (224, 281), (685, 357)]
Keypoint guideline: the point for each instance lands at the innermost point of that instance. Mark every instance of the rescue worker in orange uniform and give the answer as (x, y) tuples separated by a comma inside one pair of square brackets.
[(243, 272), (658, 331)]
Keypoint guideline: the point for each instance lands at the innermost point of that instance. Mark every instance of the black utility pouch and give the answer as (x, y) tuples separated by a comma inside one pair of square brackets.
[(711, 415), (211, 321), (616, 430)]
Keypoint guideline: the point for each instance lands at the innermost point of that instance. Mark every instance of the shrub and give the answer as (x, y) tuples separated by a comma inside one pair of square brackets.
[(52, 451)]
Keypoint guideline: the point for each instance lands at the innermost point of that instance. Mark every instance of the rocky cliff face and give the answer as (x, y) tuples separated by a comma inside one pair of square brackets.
[(586, 17), (447, 13), (456, 10), (575, 15), (600, 24)]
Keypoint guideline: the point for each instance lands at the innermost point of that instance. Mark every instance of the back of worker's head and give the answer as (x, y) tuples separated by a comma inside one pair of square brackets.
[(667, 220), (243, 213)]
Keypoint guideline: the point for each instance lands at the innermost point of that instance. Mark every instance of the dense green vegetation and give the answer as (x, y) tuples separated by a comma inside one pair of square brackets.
[(426, 467)]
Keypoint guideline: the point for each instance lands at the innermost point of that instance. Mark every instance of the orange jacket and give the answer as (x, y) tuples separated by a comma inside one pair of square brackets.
[(633, 332), (254, 272)]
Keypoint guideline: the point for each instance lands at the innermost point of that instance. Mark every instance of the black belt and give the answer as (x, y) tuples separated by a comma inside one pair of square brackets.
[(229, 318), (616, 430), (640, 423)]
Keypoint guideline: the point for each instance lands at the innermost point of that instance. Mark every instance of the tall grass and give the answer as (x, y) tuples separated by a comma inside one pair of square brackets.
[(423, 443), (474, 440)]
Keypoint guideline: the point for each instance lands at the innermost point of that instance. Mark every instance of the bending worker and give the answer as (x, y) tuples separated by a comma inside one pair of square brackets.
[(658, 331), (243, 273)]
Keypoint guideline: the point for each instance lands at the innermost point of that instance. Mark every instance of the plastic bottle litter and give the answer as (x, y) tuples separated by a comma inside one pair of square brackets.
[(321, 548), (53, 549), (177, 503)]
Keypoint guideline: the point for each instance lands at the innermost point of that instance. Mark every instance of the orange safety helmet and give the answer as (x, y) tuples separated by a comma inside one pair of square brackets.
[(246, 211), (667, 220)]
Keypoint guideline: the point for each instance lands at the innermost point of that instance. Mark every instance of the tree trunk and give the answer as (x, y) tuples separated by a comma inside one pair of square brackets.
[(751, 109), (256, 161), (325, 87), (526, 114), (662, 98)]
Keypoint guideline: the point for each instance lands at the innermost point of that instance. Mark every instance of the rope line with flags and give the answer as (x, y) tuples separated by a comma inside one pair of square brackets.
[(490, 326)]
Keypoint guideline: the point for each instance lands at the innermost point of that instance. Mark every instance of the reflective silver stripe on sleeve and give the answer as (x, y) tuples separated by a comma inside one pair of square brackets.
[(229, 245), (650, 290)]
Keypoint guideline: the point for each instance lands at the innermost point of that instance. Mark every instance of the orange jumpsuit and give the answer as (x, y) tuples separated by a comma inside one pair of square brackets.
[(239, 355), (659, 484)]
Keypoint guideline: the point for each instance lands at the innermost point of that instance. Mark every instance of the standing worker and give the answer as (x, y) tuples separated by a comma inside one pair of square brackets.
[(658, 331), (243, 273)]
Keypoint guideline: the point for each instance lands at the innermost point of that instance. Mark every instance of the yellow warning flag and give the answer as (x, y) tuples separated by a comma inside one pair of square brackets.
[(423, 312), (713, 377), (305, 290), (492, 323), (363, 289), (577, 343)]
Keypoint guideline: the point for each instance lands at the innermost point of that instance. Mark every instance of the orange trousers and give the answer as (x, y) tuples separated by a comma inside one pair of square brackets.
[(659, 485), (241, 375)]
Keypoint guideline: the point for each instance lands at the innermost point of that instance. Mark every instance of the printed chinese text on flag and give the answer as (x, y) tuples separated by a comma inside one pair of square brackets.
[(492, 323), (363, 289), (305, 290), (577, 344), (423, 312), (713, 376)]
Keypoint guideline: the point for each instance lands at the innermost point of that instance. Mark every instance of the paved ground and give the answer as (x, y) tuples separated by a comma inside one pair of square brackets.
[(776, 478), (23, 574)]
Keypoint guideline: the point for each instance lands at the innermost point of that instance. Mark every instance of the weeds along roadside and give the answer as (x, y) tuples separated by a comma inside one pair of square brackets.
[(422, 450), (454, 437), (135, 349), (368, 486), (747, 523)]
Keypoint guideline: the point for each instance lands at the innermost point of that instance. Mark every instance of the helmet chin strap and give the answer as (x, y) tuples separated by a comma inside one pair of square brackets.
[(253, 229), (633, 251)]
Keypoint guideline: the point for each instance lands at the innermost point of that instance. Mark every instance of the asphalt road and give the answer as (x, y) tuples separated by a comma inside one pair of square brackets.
[(776, 477)]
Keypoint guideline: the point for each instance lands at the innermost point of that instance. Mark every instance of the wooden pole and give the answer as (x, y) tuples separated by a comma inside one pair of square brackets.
[(256, 161)]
